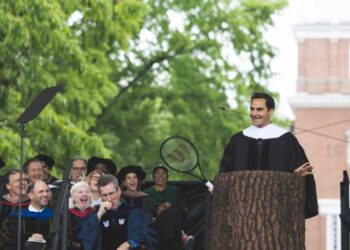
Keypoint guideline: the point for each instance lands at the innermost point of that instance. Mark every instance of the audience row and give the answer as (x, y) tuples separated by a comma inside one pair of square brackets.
[(107, 209)]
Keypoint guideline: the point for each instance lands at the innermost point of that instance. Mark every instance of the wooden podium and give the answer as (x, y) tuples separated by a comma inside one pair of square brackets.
[(257, 210)]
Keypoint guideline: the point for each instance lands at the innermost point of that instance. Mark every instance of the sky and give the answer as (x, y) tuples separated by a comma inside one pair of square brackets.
[(282, 37)]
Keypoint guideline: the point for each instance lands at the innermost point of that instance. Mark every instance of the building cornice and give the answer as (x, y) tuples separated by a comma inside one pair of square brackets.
[(305, 100), (318, 31)]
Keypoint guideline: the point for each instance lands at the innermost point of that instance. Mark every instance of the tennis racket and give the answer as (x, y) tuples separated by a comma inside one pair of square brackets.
[(179, 154)]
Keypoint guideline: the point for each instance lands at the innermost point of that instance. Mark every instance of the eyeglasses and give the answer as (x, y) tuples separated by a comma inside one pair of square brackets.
[(79, 169)]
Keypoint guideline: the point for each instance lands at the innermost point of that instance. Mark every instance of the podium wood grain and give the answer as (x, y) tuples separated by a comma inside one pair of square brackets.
[(258, 210)]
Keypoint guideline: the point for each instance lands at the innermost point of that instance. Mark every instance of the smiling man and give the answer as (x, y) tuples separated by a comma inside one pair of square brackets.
[(36, 220), (9, 202), (265, 146), (78, 169), (34, 169)]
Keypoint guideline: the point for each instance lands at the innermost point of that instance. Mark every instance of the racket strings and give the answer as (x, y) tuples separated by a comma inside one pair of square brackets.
[(179, 154)]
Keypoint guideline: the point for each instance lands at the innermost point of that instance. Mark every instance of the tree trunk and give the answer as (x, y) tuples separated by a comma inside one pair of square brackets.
[(258, 210)]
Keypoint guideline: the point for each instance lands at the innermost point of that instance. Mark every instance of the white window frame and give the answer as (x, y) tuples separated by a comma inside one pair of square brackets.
[(330, 209)]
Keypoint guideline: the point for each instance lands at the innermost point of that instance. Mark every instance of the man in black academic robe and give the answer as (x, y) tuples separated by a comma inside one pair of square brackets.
[(264, 146), (120, 225), (9, 202), (35, 223)]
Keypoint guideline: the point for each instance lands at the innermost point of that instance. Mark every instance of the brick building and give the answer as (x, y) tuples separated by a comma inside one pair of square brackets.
[(322, 120)]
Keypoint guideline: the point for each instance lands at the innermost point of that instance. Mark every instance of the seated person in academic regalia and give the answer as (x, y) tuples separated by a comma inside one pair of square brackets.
[(79, 209), (77, 173), (170, 211), (121, 226), (130, 179), (78, 169), (35, 222), (47, 163), (92, 179), (34, 169), (9, 202)]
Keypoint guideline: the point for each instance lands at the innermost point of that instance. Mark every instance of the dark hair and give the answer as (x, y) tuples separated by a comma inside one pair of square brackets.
[(9, 173), (137, 170), (270, 102), (109, 165), (28, 162), (107, 179), (75, 158), (160, 166), (31, 187)]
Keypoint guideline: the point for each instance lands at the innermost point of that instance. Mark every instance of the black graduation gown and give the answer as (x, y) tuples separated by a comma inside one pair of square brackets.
[(32, 222), (51, 180), (115, 227), (76, 218), (277, 154), (6, 208)]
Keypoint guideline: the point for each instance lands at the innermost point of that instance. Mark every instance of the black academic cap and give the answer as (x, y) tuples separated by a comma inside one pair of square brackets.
[(140, 173), (49, 161), (94, 160)]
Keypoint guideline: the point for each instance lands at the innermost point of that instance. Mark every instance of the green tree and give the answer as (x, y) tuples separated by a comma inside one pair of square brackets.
[(67, 43), (179, 69), (133, 74)]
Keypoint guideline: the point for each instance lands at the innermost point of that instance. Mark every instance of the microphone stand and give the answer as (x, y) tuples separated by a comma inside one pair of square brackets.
[(30, 113), (61, 210), (22, 135)]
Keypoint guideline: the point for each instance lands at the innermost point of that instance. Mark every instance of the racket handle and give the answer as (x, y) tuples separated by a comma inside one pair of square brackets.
[(210, 186)]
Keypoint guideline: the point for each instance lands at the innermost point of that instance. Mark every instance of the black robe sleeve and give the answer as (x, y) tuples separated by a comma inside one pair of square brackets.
[(89, 234), (9, 233), (311, 204), (297, 157), (229, 157)]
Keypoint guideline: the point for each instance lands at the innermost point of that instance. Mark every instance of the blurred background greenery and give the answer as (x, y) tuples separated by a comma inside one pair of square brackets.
[(133, 73)]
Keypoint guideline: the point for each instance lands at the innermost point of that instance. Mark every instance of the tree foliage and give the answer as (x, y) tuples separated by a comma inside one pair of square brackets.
[(133, 74), (44, 43)]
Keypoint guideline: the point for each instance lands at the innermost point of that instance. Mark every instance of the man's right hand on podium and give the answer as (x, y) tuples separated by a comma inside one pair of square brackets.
[(304, 169)]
